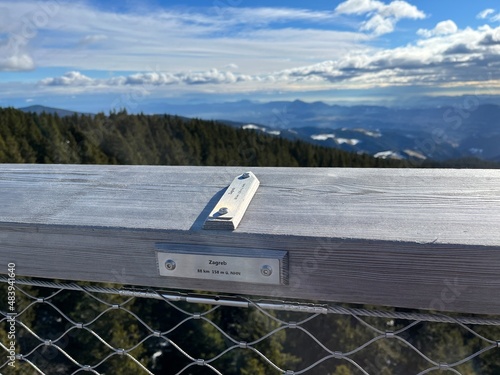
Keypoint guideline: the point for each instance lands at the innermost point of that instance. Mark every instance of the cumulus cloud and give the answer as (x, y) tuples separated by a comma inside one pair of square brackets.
[(378, 25), (447, 55), (212, 76), (69, 79), (17, 62), (284, 58), (381, 18), (13, 54), (150, 78), (442, 28)]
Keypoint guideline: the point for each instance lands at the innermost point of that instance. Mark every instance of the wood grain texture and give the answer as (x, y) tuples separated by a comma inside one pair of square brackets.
[(426, 239)]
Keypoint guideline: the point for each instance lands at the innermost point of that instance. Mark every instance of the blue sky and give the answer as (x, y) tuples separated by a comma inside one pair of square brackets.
[(101, 55)]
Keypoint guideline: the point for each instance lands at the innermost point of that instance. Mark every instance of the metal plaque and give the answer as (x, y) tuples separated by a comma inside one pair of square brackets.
[(230, 209), (255, 266)]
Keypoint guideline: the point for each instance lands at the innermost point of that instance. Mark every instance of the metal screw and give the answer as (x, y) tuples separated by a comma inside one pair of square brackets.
[(223, 210), (170, 265), (266, 270), (245, 175)]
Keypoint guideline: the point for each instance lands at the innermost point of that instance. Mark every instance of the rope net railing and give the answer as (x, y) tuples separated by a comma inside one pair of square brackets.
[(69, 328)]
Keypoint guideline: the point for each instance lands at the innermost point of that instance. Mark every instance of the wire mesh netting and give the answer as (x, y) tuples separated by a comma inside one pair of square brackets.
[(67, 328)]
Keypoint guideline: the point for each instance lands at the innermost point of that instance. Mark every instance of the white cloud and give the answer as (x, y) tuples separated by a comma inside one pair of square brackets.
[(446, 56), (178, 38), (150, 78), (442, 28), (212, 76), (182, 43), (485, 14), (69, 79), (358, 6), (489, 14), (382, 18), (17, 62), (378, 25), (397, 9), (401, 9), (14, 56), (445, 28), (270, 15)]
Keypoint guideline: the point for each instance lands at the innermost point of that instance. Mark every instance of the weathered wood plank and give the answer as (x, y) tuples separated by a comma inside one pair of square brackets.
[(408, 238)]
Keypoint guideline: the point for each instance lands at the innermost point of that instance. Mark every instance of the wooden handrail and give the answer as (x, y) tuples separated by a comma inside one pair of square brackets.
[(414, 238)]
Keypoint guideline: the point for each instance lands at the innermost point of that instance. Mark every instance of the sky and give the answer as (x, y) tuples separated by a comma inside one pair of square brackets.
[(105, 55)]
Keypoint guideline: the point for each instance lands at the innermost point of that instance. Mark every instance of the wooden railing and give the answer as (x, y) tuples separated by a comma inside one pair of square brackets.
[(423, 239)]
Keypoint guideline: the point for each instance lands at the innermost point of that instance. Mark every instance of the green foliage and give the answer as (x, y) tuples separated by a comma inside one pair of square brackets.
[(120, 138), (469, 163), (157, 140), (443, 343)]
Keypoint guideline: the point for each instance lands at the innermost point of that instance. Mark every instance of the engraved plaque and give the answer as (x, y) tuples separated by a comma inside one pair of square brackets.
[(255, 266), (230, 209)]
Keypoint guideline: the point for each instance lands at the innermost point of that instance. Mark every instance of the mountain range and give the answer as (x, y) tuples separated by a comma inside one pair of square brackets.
[(469, 127)]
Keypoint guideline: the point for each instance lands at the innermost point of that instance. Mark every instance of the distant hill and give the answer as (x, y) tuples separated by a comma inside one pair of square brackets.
[(469, 127), (394, 144), (120, 138), (39, 109), (413, 134)]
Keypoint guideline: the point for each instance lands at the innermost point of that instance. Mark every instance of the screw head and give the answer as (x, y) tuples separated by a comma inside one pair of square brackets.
[(245, 175), (170, 265), (223, 210), (266, 270)]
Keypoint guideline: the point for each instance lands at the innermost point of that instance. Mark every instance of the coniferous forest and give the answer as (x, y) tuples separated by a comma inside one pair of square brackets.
[(120, 138)]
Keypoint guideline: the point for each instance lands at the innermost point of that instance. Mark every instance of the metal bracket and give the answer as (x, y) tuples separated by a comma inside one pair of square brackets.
[(230, 209)]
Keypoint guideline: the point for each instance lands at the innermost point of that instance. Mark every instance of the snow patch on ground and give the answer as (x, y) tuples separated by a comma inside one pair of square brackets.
[(322, 137), (352, 142), (388, 155), (262, 129), (253, 127)]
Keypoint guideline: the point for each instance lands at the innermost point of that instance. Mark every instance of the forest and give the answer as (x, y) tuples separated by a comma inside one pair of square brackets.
[(120, 138)]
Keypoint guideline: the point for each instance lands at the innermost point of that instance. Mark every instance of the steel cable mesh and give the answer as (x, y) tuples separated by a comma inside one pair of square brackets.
[(209, 334)]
